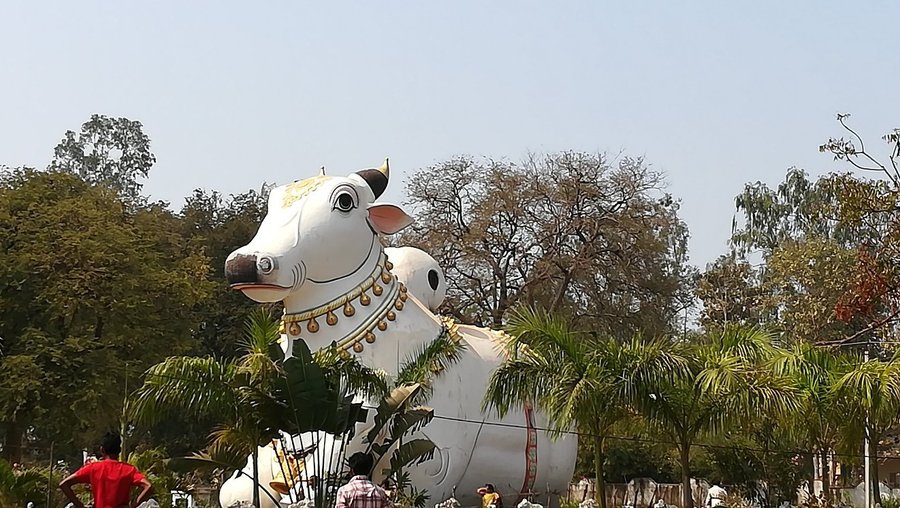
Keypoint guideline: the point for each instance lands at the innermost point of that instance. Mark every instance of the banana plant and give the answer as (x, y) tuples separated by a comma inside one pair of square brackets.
[(395, 417)]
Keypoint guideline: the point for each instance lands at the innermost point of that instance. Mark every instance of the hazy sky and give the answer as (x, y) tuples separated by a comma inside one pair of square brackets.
[(715, 94)]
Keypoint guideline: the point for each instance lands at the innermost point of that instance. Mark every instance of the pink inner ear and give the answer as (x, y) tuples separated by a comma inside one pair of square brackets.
[(388, 219)]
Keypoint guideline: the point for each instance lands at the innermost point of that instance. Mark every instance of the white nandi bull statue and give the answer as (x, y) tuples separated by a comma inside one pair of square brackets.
[(318, 250)]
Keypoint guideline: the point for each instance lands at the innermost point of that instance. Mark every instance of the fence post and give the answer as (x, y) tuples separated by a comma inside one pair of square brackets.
[(50, 485)]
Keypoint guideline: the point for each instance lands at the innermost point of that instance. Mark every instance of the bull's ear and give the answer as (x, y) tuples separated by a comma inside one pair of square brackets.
[(387, 218)]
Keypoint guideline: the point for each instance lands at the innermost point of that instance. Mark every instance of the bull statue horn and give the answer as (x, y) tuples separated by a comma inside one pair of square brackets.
[(377, 178), (322, 171)]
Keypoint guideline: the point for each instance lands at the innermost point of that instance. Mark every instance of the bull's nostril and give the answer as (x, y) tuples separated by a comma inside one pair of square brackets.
[(265, 265)]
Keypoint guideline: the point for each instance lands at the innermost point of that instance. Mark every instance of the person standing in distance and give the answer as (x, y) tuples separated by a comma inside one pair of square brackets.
[(490, 498), (360, 492), (716, 496), (110, 480)]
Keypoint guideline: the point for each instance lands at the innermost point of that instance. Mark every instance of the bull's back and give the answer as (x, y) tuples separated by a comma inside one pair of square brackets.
[(480, 447)]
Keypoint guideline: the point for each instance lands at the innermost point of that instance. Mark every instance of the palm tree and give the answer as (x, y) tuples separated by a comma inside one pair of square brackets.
[(821, 418), (870, 392), (227, 391), (257, 396), (579, 381), (725, 380)]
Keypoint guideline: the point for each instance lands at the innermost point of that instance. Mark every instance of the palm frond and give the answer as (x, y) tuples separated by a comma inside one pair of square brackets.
[(545, 333), (350, 372), (219, 456), (429, 361), (198, 386), (260, 344), (516, 383)]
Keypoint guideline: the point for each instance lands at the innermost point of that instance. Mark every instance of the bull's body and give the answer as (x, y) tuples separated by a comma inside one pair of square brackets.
[(473, 447)]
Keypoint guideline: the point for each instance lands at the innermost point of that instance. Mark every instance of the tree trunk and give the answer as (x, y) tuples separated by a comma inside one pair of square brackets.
[(826, 476), (255, 476), (873, 456), (812, 476), (12, 444), (599, 484), (687, 498)]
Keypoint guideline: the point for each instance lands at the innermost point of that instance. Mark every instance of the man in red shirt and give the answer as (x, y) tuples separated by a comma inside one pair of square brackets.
[(111, 481)]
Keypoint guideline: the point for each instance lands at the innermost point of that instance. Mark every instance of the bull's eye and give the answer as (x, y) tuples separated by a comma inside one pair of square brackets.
[(344, 202)]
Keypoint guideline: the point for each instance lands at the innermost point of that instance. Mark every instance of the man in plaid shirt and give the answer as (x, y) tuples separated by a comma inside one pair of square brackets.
[(360, 492)]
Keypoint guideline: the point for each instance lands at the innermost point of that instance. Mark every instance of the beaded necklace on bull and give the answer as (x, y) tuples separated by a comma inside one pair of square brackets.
[(380, 281)]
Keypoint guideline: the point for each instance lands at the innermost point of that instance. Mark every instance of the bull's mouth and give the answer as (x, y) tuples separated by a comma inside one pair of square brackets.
[(244, 286)]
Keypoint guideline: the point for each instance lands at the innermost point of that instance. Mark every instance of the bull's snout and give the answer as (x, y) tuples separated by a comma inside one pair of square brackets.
[(242, 269)]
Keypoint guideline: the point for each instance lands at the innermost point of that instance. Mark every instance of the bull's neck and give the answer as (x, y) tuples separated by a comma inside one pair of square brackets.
[(349, 311)]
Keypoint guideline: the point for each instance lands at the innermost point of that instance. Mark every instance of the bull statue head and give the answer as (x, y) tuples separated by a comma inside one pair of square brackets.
[(319, 231)]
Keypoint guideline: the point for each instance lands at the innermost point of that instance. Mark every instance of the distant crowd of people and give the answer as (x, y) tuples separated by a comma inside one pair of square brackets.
[(112, 482)]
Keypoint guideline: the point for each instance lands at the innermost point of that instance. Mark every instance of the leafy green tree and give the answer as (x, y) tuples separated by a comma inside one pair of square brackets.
[(816, 243), (90, 289), (731, 294), (638, 457), (578, 380), (798, 209), (219, 225), (112, 152), (804, 285)]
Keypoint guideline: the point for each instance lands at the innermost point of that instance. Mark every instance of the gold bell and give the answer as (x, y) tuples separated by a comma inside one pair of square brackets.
[(377, 290), (385, 277), (382, 326), (279, 485), (364, 299), (389, 265), (358, 347), (398, 305), (294, 329), (312, 326), (349, 310), (370, 337), (331, 319), (391, 315)]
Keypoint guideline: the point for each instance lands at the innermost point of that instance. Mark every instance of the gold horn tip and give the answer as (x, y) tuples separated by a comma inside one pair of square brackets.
[(385, 169)]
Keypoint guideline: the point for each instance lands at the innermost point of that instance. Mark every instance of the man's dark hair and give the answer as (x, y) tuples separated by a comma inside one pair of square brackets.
[(111, 443), (489, 487), (361, 463)]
